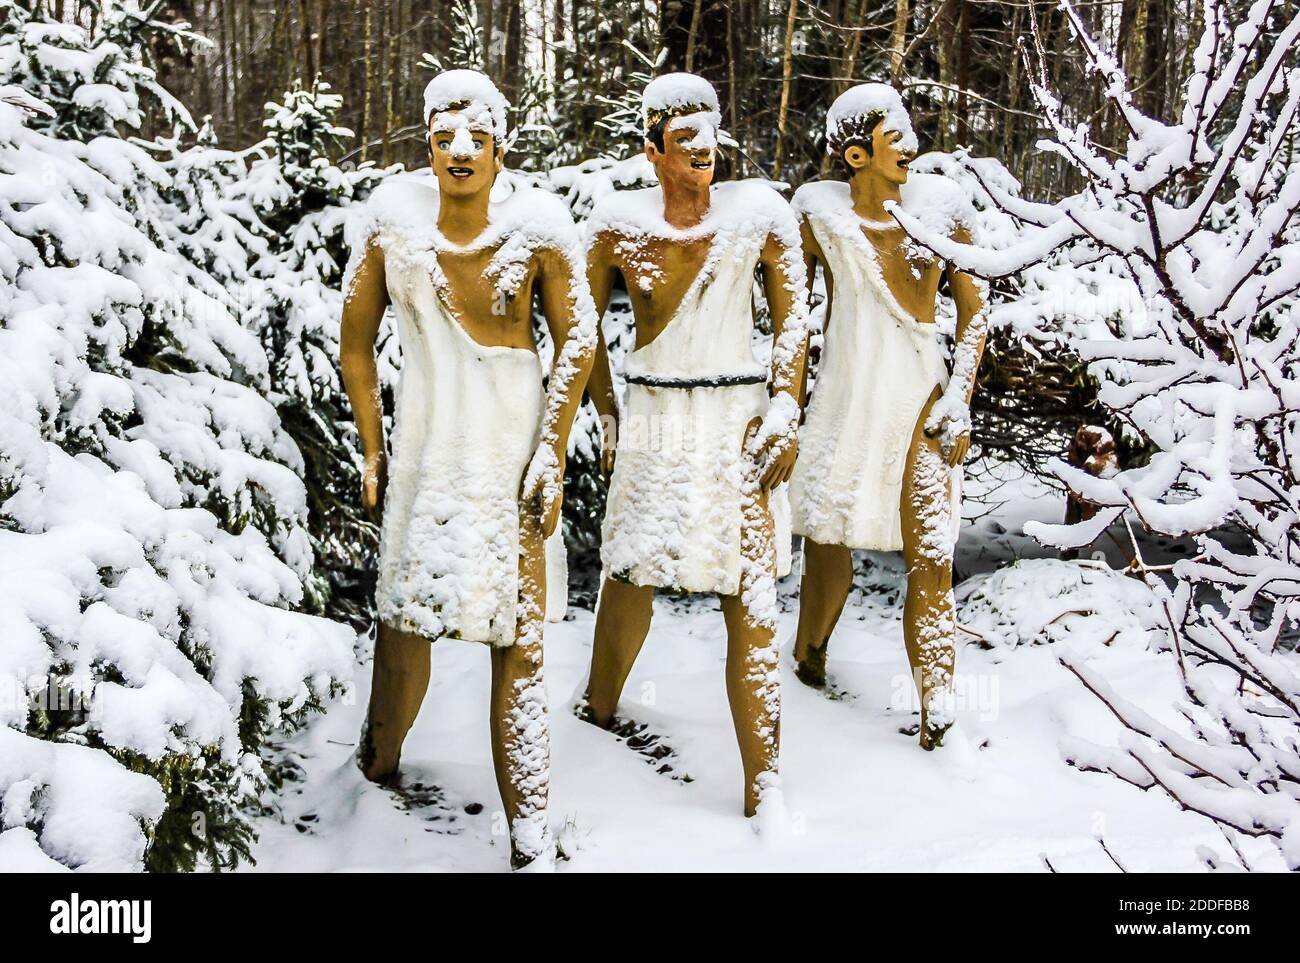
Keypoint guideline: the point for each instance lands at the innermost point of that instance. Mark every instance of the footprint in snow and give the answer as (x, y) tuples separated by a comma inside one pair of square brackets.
[(641, 739)]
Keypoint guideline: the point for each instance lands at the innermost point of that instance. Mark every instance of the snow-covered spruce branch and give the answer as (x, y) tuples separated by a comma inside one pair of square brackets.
[(1201, 214)]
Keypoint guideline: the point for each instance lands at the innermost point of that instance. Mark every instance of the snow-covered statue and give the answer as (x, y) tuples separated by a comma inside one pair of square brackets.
[(470, 495), (888, 426), (705, 434)]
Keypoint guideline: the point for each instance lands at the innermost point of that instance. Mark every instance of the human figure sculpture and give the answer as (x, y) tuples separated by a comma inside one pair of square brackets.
[(471, 496), (706, 433), (887, 427)]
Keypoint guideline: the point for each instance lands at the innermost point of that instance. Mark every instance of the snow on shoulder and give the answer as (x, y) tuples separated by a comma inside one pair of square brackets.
[(936, 201), (542, 216), (750, 209), (406, 196), (826, 200), (860, 102)]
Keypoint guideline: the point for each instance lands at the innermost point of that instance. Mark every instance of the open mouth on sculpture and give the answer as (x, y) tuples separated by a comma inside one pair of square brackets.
[(903, 162), (702, 165), (461, 173)]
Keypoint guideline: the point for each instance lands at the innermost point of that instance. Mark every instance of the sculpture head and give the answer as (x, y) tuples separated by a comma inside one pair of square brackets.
[(465, 116), (869, 132), (682, 123)]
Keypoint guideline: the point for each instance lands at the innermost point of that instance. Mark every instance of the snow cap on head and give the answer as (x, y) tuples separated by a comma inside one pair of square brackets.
[(477, 103), (679, 95), (857, 110)]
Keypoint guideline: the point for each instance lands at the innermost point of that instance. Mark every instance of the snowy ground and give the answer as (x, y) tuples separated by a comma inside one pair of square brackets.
[(862, 795)]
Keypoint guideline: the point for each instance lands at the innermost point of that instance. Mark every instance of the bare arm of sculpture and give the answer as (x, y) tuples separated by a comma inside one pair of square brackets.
[(570, 317), (949, 418), (785, 286), (600, 278), (363, 310), (812, 256)]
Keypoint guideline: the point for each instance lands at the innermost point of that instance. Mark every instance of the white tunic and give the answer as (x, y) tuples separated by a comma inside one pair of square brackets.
[(467, 421), (673, 517), (878, 368)]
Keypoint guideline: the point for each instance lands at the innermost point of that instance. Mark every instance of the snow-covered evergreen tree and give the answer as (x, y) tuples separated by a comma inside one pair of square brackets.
[(114, 83), (1202, 215), (303, 199), (152, 519)]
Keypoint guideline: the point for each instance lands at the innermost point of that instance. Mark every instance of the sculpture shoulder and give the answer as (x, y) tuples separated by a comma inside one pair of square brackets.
[(938, 202), (399, 206), (755, 208), (539, 219), (403, 198), (401, 203), (821, 198), (629, 213), (754, 194)]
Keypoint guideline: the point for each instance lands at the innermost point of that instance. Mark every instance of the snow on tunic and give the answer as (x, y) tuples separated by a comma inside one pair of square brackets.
[(467, 421), (878, 368), (673, 516)]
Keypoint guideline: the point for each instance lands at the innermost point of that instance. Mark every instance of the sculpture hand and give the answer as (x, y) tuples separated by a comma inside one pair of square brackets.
[(607, 452), (542, 488), (374, 485), (773, 440), (781, 454), (948, 420), (552, 504), (958, 449)]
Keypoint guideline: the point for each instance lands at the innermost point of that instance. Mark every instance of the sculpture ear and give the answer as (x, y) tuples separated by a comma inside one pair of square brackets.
[(856, 157)]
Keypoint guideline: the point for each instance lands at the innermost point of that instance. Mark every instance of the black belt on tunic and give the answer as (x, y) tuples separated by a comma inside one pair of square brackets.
[(713, 381)]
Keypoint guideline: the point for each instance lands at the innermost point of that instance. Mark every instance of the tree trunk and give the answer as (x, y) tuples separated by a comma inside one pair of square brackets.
[(898, 42), (945, 53), (856, 22), (692, 33), (367, 61), (308, 60), (392, 38), (511, 70), (787, 68), (557, 39), (963, 72)]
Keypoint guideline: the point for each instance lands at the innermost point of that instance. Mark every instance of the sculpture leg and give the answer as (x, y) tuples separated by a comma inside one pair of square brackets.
[(519, 725), (753, 655), (929, 616), (622, 623), (400, 678), (823, 590)]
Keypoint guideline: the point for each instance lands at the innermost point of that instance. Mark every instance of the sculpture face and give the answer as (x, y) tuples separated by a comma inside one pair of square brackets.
[(688, 155), (886, 160), (464, 161)]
